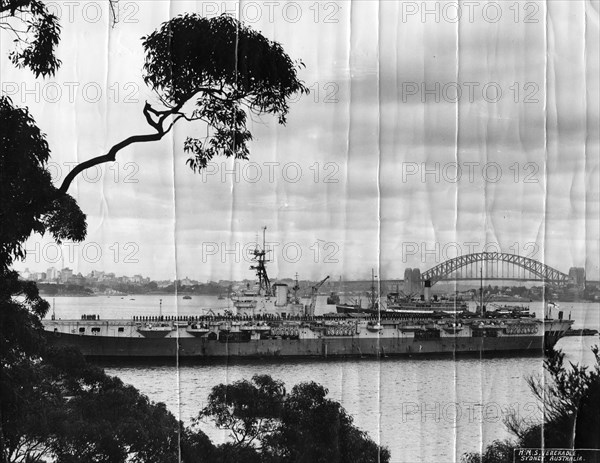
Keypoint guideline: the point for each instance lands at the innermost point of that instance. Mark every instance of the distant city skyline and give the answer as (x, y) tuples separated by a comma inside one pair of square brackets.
[(98, 283), (412, 279)]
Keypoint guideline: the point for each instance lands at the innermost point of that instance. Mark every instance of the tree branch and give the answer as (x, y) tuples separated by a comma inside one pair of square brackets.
[(112, 153), (108, 157)]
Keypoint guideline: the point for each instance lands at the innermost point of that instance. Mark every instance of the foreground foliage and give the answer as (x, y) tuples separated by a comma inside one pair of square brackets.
[(571, 404), (267, 424), (61, 407), (29, 202)]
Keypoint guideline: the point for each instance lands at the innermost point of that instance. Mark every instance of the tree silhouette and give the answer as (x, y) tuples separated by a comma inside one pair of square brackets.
[(248, 409), (30, 202), (72, 411), (269, 425), (217, 71)]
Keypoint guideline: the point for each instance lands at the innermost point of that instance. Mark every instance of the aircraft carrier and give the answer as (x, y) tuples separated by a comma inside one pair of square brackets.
[(272, 321)]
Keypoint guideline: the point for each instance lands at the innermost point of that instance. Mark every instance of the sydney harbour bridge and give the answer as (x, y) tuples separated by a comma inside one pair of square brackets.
[(496, 266)]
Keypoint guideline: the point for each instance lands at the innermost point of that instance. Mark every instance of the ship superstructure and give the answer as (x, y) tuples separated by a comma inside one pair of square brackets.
[(266, 298), (272, 299)]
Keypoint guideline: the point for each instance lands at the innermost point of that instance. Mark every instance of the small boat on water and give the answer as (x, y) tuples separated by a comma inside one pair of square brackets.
[(187, 297)]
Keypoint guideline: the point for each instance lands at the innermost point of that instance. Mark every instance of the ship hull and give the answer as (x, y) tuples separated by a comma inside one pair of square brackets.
[(124, 347)]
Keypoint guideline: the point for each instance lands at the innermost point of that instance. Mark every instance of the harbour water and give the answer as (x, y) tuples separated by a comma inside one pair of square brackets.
[(424, 410)]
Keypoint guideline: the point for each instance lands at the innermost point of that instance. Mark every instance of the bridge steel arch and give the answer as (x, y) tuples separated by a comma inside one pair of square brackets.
[(543, 271)]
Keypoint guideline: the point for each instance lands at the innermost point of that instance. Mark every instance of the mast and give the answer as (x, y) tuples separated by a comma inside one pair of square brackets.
[(295, 289), (373, 293), (373, 299), (481, 290), (264, 284)]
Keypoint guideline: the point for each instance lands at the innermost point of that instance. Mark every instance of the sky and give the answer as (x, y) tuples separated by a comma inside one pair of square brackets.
[(432, 129)]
